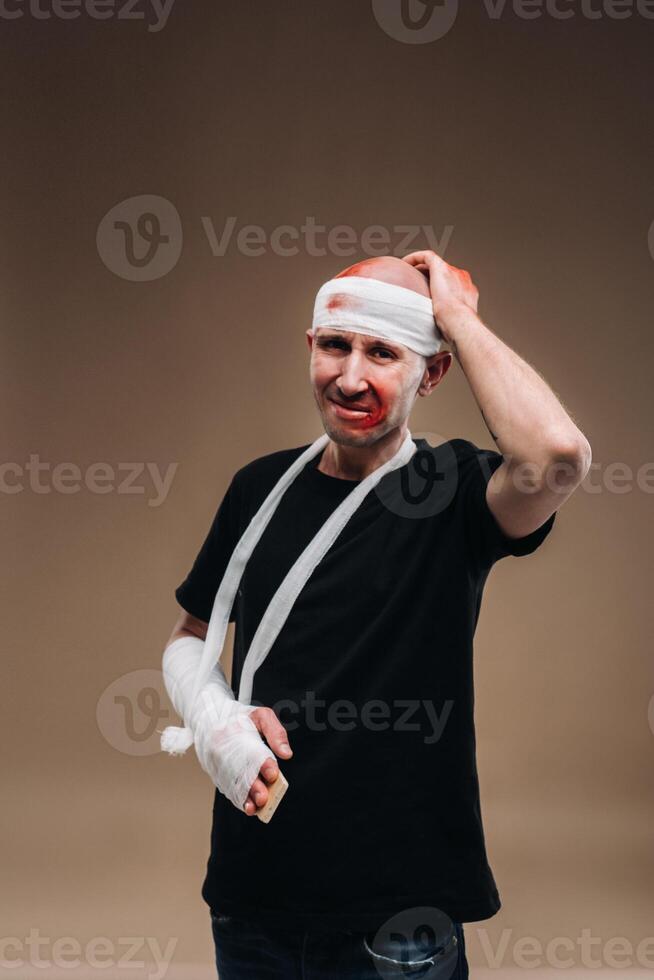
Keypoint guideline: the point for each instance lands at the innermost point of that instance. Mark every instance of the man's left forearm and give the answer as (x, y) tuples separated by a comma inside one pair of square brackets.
[(522, 413)]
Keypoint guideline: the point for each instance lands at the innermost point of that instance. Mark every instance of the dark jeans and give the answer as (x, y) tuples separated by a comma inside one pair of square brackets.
[(246, 950)]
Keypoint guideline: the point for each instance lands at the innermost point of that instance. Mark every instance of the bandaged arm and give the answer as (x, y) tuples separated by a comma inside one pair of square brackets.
[(227, 742)]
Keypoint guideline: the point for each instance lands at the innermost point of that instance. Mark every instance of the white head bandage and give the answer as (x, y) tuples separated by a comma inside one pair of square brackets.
[(369, 306)]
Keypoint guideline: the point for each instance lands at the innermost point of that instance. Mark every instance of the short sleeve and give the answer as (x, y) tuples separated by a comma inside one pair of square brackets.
[(197, 592), (486, 539)]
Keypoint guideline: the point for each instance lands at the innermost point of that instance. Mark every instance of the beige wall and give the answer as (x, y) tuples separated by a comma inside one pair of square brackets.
[(529, 138)]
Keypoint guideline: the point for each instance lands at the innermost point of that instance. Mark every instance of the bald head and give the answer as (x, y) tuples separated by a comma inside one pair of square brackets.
[(390, 269)]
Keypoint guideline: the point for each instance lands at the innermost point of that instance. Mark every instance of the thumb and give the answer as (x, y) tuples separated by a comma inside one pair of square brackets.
[(273, 731)]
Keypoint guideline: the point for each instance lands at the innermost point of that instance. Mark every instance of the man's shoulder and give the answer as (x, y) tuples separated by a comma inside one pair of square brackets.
[(269, 467), (263, 471), (276, 463), (465, 447), (474, 463), (459, 450), (459, 466)]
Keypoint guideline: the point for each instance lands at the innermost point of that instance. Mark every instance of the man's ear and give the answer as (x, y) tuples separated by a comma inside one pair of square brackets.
[(309, 336), (437, 367)]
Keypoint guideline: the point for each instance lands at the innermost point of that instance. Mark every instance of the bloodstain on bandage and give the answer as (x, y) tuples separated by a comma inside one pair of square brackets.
[(337, 303)]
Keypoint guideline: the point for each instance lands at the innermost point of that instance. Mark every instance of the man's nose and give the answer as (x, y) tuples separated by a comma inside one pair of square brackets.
[(352, 379)]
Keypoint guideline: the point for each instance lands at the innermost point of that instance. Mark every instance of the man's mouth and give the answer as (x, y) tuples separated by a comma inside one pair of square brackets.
[(349, 412)]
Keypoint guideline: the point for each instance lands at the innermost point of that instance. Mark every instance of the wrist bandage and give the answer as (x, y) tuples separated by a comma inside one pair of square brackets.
[(370, 306), (227, 743)]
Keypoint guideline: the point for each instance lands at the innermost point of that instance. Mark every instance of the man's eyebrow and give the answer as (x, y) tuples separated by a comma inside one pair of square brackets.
[(347, 336)]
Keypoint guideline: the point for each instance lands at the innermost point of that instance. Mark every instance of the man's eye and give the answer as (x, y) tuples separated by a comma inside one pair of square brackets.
[(341, 345)]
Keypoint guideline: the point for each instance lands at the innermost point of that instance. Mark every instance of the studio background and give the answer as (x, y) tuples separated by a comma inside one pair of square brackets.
[(525, 147)]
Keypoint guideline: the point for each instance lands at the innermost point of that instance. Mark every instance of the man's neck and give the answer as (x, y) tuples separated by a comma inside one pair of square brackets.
[(358, 462)]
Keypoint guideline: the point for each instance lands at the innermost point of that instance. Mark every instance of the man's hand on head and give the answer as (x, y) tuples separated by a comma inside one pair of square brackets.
[(452, 290), (271, 728)]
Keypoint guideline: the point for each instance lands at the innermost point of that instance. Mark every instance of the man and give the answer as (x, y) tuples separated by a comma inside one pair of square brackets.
[(369, 671)]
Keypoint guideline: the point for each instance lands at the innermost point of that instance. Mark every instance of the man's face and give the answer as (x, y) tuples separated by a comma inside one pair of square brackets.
[(363, 386)]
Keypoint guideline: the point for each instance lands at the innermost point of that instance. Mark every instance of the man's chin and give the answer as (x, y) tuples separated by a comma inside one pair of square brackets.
[(346, 435)]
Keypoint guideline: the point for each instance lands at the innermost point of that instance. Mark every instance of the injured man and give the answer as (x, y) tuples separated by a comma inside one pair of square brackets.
[(347, 835)]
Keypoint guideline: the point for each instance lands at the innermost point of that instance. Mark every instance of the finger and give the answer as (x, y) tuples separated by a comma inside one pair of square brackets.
[(424, 257), (274, 733), (258, 793), (414, 258), (249, 807), (270, 770)]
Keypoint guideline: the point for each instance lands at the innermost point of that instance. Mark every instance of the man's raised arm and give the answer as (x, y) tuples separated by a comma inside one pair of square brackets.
[(546, 455)]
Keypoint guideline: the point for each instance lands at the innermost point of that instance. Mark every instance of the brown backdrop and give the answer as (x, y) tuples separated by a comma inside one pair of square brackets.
[(525, 144)]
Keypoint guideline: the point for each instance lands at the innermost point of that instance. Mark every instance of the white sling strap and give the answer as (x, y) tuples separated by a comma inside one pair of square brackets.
[(282, 602)]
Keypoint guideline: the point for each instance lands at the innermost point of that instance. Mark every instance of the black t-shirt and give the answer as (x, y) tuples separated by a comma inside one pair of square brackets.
[(372, 674)]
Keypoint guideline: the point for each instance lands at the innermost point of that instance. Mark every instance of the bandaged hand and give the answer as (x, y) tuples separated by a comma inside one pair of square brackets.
[(266, 721), (226, 733), (233, 754)]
